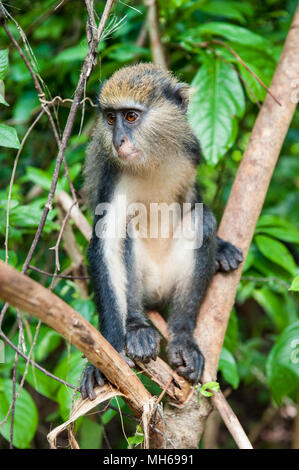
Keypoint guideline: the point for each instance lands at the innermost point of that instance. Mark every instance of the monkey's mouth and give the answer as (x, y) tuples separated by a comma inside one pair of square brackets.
[(126, 156)]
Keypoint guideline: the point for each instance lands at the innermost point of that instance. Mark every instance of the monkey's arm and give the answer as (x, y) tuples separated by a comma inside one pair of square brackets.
[(183, 351), (141, 338), (109, 308), (228, 256)]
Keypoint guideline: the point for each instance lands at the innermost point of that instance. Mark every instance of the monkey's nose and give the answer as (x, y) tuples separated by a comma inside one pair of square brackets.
[(118, 141)]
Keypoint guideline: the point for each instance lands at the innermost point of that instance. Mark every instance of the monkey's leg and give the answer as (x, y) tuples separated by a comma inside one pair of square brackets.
[(183, 351), (228, 256), (108, 276), (141, 338)]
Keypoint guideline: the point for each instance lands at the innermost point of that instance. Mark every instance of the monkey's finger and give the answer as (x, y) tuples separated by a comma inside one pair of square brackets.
[(175, 357), (127, 359), (98, 377), (233, 263), (224, 263), (83, 387), (90, 384)]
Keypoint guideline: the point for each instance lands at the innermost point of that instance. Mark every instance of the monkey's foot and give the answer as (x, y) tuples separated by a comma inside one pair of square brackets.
[(142, 343), (228, 256), (185, 355), (93, 377)]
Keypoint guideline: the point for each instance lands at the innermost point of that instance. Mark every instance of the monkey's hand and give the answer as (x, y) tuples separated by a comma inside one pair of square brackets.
[(93, 377), (142, 343), (185, 355), (228, 256)]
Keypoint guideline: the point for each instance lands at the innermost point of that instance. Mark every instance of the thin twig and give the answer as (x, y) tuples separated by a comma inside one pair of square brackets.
[(62, 276), (33, 363)]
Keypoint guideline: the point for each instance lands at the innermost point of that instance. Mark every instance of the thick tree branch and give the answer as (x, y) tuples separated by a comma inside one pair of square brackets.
[(22, 292)]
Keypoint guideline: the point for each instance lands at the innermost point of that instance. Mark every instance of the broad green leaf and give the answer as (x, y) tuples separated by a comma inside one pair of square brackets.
[(85, 307), (46, 344), (38, 176), (72, 54), (283, 363), (234, 33), (228, 367), (2, 94), (226, 9), (26, 103), (261, 63), (217, 100), (91, 434), (286, 234), (8, 137), (69, 369), (277, 227), (26, 415), (28, 216), (231, 335), (3, 63), (295, 284), (276, 252), (269, 220), (273, 304), (40, 382)]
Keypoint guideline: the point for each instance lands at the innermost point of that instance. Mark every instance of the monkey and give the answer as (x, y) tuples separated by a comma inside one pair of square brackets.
[(143, 152)]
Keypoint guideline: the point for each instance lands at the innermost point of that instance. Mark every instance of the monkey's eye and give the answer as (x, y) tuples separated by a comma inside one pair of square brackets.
[(131, 116), (111, 118)]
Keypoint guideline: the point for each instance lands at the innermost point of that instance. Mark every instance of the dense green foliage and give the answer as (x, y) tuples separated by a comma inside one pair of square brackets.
[(260, 357)]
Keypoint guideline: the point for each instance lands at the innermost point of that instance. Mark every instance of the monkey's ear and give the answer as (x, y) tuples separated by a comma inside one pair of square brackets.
[(182, 95)]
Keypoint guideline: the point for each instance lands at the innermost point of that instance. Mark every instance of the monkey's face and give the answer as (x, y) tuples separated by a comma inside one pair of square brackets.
[(143, 117), (122, 124)]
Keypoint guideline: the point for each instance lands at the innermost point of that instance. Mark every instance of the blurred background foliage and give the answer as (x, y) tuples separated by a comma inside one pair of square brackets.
[(260, 358)]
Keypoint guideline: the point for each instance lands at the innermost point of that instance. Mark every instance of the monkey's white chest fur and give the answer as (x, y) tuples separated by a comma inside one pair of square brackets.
[(162, 262)]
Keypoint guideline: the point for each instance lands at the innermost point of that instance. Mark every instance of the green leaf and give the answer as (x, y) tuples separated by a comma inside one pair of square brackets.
[(231, 335), (85, 307), (234, 33), (3, 63), (40, 382), (283, 363), (228, 367), (8, 137), (28, 216), (259, 62), (91, 434), (212, 386), (218, 98), (69, 369), (276, 252), (72, 54), (47, 343), (290, 235), (226, 9), (295, 284), (2, 94), (137, 439), (272, 304), (26, 415)]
